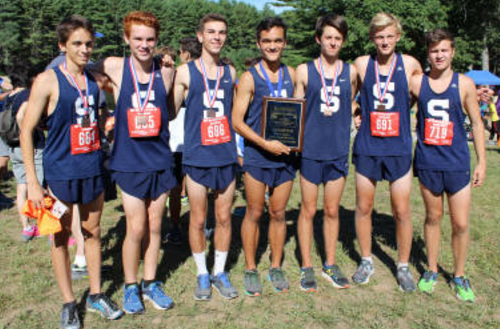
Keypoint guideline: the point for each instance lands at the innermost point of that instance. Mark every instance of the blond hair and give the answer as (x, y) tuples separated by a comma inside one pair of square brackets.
[(382, 20)]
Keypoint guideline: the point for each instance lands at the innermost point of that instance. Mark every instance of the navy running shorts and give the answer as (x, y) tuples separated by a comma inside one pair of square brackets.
[(145, 185), (272, 177), (215, 178), (323, 171), (82, 190), (439, 181), (389, 168)]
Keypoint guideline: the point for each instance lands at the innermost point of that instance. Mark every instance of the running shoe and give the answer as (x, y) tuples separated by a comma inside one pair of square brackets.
[(155, 294), (335, 276), (132, 303), (184, 200), (79, 272), (277, 278), (405, 279), (307, 280), (363, 273), (463, 289), (69, 317), (251, 280), (222, 284), (29, 233), (203, 289), (428, 282), (103, 305)]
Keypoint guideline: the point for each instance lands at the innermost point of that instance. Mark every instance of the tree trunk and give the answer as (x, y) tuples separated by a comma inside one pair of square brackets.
[(485, 55)]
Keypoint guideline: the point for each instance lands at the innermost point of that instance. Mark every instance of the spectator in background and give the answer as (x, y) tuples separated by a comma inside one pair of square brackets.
[(5, 89)]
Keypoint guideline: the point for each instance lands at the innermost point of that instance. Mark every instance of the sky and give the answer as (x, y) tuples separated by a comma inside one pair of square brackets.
[(260, 4)]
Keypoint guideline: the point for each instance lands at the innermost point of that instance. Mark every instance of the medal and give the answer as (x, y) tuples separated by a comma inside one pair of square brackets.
[(272, 91), (211, 93), (140, 103), (328, 97), (141, 120), (210, 113), (85, 100), (86, 121), (381, 94)]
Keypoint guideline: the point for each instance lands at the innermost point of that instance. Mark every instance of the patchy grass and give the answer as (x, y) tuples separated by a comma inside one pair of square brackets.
[(29, 297)]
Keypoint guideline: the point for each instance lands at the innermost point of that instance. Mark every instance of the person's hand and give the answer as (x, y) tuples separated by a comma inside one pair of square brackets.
[(110, 124), (167, 61), (36, 195), (485, 94), (479, 175), (276, 147), (357, 121)]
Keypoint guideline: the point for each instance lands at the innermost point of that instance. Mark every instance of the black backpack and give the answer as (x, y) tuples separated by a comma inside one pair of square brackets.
[(9, 129)]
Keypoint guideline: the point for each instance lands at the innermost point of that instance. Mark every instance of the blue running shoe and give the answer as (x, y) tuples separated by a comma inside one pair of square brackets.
[(203, 289), (132, 303), (104, 306), (222, 284), (155, 294)]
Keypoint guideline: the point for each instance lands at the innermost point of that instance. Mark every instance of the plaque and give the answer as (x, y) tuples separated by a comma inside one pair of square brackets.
[(283, 120)]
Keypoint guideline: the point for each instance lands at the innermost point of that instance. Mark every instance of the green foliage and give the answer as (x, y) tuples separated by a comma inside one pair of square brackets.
[(28, 41)]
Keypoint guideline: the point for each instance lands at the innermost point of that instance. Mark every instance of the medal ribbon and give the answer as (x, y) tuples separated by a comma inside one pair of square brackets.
[(73, 82), (211, 94), (381, 95), (270, 84), (323, 80), (140, 103)]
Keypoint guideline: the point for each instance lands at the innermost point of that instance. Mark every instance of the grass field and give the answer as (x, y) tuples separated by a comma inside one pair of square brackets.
[(29, 297)]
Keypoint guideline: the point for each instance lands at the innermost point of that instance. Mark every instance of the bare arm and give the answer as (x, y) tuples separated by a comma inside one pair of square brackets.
[(39, 101), (469, 100), (168, 74), (301, 81), (415, 85), (244, 95), (181, 87), (108, 73)]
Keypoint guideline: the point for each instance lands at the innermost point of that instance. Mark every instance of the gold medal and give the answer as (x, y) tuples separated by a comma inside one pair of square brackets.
[(381, 107), (142, 120), (210, 113), (328, 113)]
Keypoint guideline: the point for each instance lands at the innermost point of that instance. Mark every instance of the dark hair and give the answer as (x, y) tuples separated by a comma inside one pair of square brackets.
[(438, 35), (211, 17), (71, 24), (251, 61), (336, 21), (270, 22), (192, 46)]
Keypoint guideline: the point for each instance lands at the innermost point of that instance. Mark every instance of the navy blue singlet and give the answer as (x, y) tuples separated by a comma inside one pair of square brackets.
[(327, 137), (140, 154), (254, 155), (397, 100), (195, 153), (454, 157), (58, 162)]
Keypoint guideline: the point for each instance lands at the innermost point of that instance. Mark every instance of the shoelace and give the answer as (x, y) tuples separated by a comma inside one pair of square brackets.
[(253, 278), (204, 281), (130, 294), (277, 275), (428, 276)]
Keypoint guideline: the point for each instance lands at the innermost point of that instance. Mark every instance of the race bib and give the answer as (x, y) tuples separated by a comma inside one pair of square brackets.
[(84, 140), (438, 132), (215, 131), (384, 124), (144, 124)]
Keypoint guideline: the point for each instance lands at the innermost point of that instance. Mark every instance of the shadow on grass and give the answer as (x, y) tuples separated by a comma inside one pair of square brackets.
[(384, 233)]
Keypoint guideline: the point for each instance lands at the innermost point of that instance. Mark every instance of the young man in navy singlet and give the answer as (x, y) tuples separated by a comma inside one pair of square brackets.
[(266, 162), (141, 161), (68, 96), (382, 148), (209, 158), (329, 85), (442, 160)]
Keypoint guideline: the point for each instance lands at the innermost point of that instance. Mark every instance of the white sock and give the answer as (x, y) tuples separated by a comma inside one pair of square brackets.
[(201, 263), (80, 261), (368, 259), (220, 261), (402, 265)]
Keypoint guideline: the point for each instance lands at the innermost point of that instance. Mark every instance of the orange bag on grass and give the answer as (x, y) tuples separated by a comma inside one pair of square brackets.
[(47, 222)]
